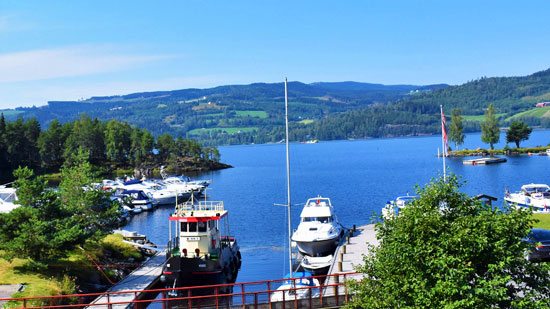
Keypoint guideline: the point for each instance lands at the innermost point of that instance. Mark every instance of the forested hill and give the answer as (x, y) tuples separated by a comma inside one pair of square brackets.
[(255, 113), (514, 98), (225, 114)]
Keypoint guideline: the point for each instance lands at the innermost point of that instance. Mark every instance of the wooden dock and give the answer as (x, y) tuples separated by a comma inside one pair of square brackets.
[(142, 278), (350, 254), (487, 160)]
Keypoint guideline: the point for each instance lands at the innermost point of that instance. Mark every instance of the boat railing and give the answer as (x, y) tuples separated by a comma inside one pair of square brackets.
[(201, 206)]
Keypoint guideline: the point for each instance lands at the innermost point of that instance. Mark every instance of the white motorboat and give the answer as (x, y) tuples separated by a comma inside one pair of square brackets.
[(157, 190), (298, 286), (319, 232), (392, 207), (183, 188), (317, 265), (8, 196), (531, 195), (137, 199)]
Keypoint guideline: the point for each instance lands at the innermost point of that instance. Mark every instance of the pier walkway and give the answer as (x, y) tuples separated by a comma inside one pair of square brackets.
[(350, 254), (141, 279)]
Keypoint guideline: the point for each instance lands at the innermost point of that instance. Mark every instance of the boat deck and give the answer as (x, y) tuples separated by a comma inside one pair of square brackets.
[(482, 161), (350, 254)]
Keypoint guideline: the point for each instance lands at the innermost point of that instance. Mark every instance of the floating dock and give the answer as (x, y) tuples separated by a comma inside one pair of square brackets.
[(489, 160), (350, 254), (142, 278)]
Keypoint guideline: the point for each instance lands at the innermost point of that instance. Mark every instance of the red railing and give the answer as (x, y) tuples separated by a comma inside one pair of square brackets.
[(212, 296)]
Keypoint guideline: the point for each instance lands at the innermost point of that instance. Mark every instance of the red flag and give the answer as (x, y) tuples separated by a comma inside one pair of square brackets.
[(444, 131)]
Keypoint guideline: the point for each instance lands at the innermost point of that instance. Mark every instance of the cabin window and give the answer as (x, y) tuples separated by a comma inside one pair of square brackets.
[(192, 226), (202, 226), (183, 227)]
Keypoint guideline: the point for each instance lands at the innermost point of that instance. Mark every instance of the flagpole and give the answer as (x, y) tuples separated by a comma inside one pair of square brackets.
[(444, 153)]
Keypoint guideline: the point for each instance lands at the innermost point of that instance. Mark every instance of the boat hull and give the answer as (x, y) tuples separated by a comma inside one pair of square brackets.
[(318, 248), (184, 272)]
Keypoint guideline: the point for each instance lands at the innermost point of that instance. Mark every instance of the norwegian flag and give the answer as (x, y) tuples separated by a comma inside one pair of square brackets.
[(444, 131)]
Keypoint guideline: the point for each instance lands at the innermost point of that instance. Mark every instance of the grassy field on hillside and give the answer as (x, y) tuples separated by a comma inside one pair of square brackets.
[(537, 112), (477, 118), (228, 130), (259, 114)]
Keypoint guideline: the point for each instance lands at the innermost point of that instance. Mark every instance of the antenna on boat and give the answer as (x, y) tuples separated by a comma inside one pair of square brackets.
[(288, 181)]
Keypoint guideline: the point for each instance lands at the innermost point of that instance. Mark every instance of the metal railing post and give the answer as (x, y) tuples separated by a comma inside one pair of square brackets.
[(243, 298), (269, 293), (256, 300), (217, 299), (109, 301), (189, 300), (163, 299)]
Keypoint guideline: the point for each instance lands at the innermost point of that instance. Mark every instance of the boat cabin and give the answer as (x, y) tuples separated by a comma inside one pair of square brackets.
[(197, 229), (318, 210)]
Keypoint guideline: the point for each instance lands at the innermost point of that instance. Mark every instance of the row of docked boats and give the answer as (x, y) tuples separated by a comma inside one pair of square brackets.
[(535, 196), (144, 195)]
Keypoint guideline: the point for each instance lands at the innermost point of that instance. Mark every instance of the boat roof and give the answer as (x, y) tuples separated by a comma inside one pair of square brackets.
[(132, 182), (203, 211), (532, 186), (300, 278), (317, 207)]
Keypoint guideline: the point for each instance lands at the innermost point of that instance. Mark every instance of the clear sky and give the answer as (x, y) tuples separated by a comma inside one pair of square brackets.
[(66, 50)]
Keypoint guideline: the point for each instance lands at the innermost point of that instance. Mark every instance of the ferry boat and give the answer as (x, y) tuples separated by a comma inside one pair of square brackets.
[(198, 252), (531, 195), (319, 232)]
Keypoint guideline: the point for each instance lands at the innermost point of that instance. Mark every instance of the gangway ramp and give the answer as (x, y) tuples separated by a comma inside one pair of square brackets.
[(349, 255), (143, 278)]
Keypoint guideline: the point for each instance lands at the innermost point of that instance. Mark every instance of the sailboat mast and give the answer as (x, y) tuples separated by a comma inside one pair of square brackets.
[(288, 182)]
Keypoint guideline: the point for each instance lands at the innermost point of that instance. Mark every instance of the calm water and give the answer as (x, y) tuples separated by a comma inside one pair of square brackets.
[(358, 176)]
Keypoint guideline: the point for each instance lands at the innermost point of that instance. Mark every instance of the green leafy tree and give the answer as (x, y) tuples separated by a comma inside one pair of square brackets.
[(51, 144), (165, 145), (490, 131), (456, 129), (147, 143), (48, 224), (449, 250), (118, 140), (518, 132)]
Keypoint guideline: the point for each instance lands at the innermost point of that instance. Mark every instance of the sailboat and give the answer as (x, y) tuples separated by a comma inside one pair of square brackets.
[(297, 285)]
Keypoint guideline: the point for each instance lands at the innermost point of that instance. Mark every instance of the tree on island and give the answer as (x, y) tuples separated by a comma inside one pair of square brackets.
[(490, 131), (447, 249), (456, 129), (518, 132)]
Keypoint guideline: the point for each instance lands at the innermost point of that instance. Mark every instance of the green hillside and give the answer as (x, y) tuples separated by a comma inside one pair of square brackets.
[(254, 113)]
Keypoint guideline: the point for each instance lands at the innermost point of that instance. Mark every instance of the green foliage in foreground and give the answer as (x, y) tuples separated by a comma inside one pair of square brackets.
[(50, 223), (449, 250)]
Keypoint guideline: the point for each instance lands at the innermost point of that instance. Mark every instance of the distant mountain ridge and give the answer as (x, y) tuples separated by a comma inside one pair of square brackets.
[(239, 114), (239, 108)]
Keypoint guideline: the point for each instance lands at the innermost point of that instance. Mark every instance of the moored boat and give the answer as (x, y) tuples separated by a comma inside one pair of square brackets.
[(317, 265), (392, 207), (8, 196), (531, 195), (199, 253), (299, 285), (319, 232)]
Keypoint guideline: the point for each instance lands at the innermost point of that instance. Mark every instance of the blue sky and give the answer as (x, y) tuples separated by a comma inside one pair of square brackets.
[(66, 50)]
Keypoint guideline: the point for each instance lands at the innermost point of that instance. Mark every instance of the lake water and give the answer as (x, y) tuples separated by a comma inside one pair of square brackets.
[(359, 176)]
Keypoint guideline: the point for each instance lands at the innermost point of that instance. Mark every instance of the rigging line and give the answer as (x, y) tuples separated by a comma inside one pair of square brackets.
[(101, 270)]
